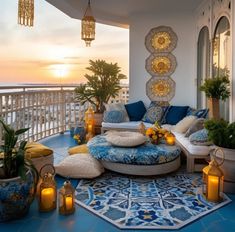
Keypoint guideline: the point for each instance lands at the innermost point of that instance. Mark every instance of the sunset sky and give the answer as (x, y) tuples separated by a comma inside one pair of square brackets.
[(52, 51)]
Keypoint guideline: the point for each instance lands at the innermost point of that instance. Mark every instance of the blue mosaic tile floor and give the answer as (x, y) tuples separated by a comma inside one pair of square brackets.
[(84, 221)]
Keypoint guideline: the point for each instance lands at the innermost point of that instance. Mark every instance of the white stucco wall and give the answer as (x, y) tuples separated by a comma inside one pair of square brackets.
[(233, 63), (183, 25)]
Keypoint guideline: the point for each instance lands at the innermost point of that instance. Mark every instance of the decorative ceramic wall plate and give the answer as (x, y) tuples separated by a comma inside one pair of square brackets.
[(160, 89), (161, 39), (161, 64)]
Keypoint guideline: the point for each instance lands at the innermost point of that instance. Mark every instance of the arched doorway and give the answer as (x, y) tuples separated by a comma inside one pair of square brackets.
[(203, 62), (222, 57)]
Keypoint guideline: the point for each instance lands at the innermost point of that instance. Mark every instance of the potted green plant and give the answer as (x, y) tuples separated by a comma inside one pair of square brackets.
[(102, 84), (18, 177), (222, 134), (216, 89)]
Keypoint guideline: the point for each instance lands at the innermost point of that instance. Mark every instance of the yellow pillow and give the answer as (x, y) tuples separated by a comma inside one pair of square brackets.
[(78, 149), (36, 150)]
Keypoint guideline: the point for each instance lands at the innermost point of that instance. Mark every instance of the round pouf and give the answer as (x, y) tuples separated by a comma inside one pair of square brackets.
[(147, 159), (125, 138)]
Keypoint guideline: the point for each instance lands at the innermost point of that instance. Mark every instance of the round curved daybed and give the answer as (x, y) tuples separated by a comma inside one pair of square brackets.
[(146, 159)]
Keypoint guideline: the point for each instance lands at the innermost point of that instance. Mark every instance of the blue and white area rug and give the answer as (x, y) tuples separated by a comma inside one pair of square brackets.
[(167, 202)]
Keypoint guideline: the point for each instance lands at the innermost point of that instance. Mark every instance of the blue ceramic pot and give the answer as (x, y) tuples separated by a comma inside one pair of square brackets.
[(81, 131), (16, 195), (71, 131)]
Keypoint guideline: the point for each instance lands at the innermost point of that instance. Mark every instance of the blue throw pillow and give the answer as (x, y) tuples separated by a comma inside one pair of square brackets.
[(174, 114), (202, 113), (153, 114), (113, 116), (200, 138), (135, 110)]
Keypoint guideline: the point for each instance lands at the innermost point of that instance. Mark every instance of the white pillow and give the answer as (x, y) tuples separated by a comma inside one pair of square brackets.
[(183, 125), (118, 107), (125, 138), (81, 165)]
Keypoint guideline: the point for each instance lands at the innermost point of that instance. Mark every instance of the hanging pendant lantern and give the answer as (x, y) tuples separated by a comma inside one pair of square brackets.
[(26, 12), (88, 26)]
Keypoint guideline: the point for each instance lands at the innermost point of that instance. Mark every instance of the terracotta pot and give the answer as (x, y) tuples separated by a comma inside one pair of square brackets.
[(16, 195), (213, 105), (228, 168), (98, 117)]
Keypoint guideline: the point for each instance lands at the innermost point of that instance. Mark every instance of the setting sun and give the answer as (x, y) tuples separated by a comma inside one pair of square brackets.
[(60, 70)]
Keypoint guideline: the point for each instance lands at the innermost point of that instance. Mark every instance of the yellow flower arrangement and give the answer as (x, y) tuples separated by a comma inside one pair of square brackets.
[(77, 138), (155, 133)]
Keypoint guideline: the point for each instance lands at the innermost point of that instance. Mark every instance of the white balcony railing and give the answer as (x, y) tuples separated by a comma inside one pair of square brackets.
[(46, 110)]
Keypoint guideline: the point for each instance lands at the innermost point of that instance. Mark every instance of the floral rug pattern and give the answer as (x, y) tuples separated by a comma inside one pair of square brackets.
[(129, 202)]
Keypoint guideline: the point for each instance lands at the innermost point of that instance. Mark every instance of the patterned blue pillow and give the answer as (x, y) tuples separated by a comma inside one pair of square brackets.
[(153, 114), (113, 116), (202, 113), (200, 138)]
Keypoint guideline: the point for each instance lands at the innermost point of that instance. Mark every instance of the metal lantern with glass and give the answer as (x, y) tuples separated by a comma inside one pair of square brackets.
[(66, 199), (170, 138), (213, 178), (26, 12), (47, 190), (142, 128), (89, 123), (88, 26)]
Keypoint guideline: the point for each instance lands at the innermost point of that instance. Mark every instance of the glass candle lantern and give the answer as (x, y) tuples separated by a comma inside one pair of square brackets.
[(66, 199), (213, 181), (47, 193), (170, 138), (89, 121), (142, 128)]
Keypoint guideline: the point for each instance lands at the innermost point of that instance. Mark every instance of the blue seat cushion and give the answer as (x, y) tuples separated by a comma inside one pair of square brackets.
[(174, 114), (147, 154), (113, 116), (135, 110)]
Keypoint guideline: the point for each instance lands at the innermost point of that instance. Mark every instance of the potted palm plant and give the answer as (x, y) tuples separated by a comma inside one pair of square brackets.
[(216, 89), (102, 84), (18, 177), (222, 134)]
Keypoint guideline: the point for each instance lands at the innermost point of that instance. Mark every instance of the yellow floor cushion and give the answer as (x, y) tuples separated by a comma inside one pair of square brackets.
[(36, 150), (78, 149)]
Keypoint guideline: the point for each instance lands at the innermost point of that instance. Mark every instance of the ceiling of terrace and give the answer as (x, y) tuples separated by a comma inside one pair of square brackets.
[(119, 12)]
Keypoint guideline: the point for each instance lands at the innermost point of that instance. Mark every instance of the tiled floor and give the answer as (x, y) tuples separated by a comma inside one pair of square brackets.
[(84, 221)]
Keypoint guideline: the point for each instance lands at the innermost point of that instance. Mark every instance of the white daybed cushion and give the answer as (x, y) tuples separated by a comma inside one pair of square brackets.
[(132, 125), (192, 149), (81, 165), (183, 125), (125, 138)]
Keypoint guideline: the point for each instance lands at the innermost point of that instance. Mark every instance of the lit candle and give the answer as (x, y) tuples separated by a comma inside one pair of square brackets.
[(213, 188), (47, 198), (68, 203), (89, 128), (170, 140)]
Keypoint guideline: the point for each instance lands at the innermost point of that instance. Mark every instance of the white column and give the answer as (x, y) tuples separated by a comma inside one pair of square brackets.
[(232, 110)]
